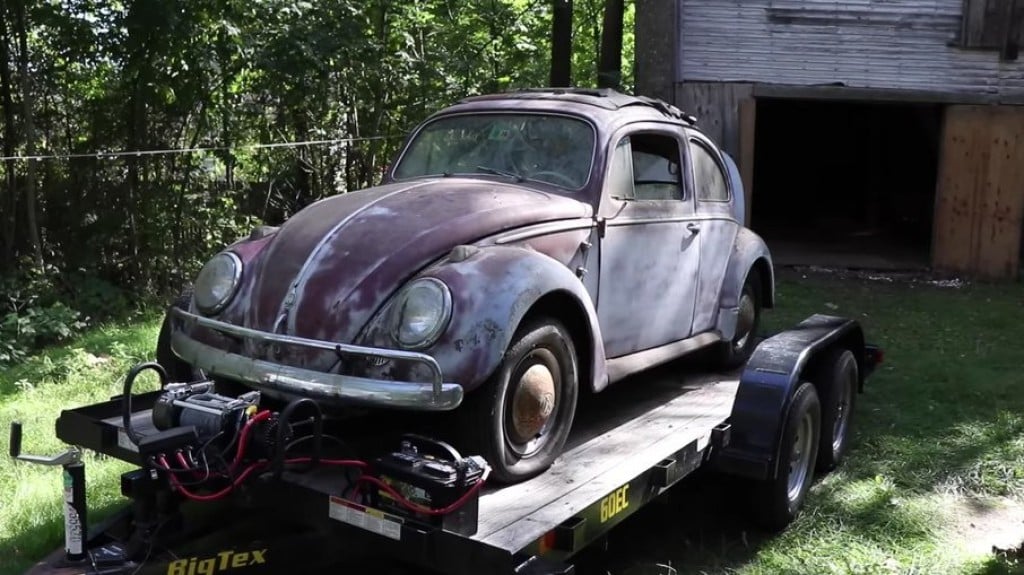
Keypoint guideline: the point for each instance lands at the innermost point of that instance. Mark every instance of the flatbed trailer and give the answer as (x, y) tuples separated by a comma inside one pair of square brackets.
[(627, 449)]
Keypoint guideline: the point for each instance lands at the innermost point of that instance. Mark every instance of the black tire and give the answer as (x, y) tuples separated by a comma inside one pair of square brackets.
[(486, 416), (177, 370), (734, 353), (779, 500), (838, 378)]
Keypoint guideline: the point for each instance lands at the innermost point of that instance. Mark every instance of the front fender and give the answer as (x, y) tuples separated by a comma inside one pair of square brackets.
[(493, 289), (749, 250)]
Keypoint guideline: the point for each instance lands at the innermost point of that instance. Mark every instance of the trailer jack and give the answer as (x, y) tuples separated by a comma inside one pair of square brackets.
[(75, 507)]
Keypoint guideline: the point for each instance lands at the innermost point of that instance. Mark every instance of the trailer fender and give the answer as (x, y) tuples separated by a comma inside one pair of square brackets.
[(776, 369)]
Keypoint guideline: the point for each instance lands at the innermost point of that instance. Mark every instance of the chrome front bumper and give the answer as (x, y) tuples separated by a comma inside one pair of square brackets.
[(277, 379)]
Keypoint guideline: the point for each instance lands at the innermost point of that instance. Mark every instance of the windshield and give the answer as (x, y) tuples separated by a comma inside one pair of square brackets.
[(553, 149)]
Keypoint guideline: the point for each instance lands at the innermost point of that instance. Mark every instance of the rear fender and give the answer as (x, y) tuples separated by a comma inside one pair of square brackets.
[(493, 289), (749, 250), (769, 380)]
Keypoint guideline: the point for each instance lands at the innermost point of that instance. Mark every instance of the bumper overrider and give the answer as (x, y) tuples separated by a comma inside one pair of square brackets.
[(331, 388)]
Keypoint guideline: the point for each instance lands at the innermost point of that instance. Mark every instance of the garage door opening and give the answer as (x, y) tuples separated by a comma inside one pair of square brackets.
[(847, 184)]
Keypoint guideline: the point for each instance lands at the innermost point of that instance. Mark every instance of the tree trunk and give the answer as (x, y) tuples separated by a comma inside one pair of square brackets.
[(10, 222), (609, 74), (30, 137), (561, 44)]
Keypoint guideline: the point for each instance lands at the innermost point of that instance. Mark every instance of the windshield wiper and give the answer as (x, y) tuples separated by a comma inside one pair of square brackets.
[(496, 171)]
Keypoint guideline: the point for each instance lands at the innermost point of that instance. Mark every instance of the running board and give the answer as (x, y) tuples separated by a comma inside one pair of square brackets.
[(621, 367)]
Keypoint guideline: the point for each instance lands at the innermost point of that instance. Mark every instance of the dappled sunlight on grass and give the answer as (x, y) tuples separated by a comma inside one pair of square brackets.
[(88, 370), (941, 420)]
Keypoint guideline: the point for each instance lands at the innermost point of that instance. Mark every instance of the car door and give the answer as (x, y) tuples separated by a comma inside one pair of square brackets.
[(649, 253), (714, 204)]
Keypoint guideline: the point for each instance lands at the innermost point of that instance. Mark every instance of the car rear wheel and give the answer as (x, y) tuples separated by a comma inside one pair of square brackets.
[(737, 351), (519, 419)]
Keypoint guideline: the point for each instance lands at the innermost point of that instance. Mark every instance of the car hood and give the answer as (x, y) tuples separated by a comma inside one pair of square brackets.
[(332, 265)]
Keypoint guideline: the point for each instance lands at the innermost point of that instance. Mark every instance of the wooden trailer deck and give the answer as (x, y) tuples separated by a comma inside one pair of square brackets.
[(617, 438)]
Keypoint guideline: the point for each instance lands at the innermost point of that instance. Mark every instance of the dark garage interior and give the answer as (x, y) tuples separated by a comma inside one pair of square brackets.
[(846, 183)]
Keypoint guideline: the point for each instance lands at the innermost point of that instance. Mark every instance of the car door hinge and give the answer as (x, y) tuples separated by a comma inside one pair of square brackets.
[(602, 226), (581, 271)]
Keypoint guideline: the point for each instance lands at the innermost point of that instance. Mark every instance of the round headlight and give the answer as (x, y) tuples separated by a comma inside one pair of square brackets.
[(422, 312), (217, 282)]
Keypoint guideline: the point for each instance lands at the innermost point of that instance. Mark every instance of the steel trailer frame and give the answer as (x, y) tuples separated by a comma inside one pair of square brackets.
[(733, 424)]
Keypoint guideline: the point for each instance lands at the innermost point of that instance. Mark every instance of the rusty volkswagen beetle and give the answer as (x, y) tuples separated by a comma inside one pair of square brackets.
[(522, 247)]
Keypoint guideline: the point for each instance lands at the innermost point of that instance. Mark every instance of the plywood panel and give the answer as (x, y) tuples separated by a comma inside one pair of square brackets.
[(962, 143), (980, 195), (1002, 201)]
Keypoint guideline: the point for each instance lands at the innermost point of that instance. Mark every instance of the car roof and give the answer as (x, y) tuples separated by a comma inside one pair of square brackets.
[(603, 98)]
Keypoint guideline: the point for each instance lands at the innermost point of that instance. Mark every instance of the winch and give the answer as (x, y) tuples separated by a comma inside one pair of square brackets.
[(184, 404)]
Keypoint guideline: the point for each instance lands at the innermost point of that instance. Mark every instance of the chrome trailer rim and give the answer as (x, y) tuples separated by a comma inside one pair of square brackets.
[(800, 456)]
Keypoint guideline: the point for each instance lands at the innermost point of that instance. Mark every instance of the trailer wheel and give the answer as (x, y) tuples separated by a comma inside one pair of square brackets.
[(177, 370), (780, 499), (837, 377), (519, 419)]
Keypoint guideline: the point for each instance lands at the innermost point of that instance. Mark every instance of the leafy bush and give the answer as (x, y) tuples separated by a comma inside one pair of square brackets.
[(34, 313)]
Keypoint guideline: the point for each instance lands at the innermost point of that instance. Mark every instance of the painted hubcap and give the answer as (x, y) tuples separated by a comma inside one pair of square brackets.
[(800, 456), (533, 403)]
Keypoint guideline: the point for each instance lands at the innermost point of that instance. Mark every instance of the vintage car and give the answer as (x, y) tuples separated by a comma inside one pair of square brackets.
[(523, 247)]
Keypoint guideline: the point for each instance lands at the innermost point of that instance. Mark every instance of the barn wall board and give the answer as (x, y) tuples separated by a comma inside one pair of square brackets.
[(891, 44)]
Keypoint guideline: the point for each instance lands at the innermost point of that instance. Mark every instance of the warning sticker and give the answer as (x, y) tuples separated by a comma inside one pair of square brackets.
[(365, 518)]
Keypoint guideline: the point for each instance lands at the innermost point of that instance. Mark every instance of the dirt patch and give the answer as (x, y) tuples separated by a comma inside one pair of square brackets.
[(988, 525), (925, 278)]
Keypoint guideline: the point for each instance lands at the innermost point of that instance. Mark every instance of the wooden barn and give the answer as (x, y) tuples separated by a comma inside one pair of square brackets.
[(875, 133)]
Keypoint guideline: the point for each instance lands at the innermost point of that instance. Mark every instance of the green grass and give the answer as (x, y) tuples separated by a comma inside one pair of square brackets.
[(941, 425), (88, 370), (940, 428)]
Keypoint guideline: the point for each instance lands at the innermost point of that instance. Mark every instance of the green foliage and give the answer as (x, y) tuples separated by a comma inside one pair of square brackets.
[(223, 75), (33, 314)]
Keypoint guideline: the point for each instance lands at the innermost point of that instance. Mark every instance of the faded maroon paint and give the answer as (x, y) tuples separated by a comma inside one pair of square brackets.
[(345, 255), (494, 290)]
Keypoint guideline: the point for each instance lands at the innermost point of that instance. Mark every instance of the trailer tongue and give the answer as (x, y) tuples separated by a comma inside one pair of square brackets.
[(225, 484)]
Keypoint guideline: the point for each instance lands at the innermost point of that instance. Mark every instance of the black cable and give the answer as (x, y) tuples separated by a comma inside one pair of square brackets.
[(282, 424), (126, 398)]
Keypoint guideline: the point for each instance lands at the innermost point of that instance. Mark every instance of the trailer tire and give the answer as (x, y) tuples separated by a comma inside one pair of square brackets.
[(837, 377), (522, 443), (177, 370), (780, 498)]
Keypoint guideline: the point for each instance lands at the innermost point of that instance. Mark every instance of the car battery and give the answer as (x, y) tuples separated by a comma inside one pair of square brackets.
[(430, 474)]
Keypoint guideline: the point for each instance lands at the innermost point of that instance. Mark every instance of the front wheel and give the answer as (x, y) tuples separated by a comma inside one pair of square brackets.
[(519, 419)]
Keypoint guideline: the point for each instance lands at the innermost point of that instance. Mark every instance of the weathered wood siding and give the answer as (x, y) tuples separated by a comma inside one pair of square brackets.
[(898, 44)]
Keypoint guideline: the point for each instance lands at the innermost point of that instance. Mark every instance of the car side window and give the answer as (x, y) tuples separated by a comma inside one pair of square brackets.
[(711, 182), (620, 175), (646, 167)]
